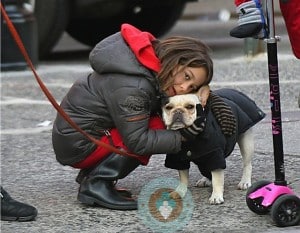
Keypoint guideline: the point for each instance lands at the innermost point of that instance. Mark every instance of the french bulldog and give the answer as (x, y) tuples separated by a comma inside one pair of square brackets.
[(180, 112)]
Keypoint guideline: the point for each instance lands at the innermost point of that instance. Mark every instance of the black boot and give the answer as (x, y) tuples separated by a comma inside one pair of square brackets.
[(82, 174), (12, 210), (86, 172), (98, 187)]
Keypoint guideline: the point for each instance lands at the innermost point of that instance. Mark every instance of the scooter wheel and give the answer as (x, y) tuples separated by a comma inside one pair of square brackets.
[(255, 204), (285, 210)]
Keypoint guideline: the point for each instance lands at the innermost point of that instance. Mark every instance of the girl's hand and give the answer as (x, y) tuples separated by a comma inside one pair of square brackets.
[(203, 94)]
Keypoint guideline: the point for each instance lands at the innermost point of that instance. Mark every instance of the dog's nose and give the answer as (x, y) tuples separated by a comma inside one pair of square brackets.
[(177, 116)]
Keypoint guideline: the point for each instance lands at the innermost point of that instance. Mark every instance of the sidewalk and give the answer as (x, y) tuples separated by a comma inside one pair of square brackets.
[(30, 172)]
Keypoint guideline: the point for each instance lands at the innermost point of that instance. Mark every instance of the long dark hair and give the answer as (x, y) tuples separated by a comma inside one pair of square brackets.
[(184, 51)]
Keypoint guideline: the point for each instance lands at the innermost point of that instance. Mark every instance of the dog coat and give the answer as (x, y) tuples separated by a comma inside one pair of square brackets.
[(210, 148)]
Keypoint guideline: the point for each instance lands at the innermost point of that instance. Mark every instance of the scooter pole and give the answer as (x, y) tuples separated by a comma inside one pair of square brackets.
[(275, 97)]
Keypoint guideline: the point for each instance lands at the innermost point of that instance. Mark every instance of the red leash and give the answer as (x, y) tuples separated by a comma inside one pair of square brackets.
[(20, 44)]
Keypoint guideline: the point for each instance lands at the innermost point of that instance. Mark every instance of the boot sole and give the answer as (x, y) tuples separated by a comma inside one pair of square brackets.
[(93, 201), (19, 219)]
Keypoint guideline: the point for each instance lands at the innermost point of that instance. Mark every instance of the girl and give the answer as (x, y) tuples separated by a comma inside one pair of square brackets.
[(119, 103)]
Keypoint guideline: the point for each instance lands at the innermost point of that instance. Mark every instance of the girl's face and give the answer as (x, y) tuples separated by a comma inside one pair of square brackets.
[(187, 80)]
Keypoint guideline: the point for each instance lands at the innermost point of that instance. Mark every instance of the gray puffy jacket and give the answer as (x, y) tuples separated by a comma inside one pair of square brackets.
[(120, 93)]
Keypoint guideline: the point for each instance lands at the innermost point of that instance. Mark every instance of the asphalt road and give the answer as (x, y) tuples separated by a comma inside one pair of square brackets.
[(30, 172)]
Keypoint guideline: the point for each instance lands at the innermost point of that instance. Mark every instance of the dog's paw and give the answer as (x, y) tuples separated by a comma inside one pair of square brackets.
[(216, 199), (243, 185), (174, 195), (179, 192), (245, 182), (203, 182)]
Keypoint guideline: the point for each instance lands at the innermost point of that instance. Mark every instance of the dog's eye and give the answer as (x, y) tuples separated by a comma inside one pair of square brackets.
[(168, 107), (190, 106)]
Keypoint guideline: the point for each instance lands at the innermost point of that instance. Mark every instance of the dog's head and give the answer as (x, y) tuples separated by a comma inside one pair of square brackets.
[(180, 111)]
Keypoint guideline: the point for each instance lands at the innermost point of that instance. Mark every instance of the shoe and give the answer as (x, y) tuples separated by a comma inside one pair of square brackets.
[(12, 210), (83, 173), (115, 167), (251, 21), (249, 30), (98, 186), (97, 192)]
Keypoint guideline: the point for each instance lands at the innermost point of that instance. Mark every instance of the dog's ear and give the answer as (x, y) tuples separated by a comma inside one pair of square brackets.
[(203, 94), (164, 100)]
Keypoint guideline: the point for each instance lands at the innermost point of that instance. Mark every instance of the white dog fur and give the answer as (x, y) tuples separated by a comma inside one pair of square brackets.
[(181, 112)]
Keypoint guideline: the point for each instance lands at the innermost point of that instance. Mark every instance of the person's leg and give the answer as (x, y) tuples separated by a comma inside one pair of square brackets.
[(291, 14), (239, 2), (251, 22), (103, 168), (12, 210), (100, 153)]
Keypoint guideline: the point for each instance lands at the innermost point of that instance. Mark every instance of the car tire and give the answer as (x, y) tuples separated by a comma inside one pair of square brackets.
[(157, 19), (52, 18)]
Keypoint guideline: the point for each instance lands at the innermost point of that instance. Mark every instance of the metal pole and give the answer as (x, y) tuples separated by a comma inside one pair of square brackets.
[(275, 96)]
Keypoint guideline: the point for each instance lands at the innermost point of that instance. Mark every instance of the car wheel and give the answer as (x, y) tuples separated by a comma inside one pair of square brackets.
[(52, 19), (157, 19)]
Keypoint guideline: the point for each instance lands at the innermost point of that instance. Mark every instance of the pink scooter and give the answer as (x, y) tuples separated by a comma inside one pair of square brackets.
[(265, 196)]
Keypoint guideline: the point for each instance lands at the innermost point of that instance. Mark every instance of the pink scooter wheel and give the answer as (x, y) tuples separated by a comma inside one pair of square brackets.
[(285, 210)]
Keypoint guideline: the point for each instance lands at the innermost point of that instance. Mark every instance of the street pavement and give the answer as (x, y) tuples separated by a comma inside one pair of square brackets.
[(30, 173)]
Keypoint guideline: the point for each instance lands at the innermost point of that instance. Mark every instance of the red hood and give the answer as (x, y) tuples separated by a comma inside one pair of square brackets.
[(140, 43)]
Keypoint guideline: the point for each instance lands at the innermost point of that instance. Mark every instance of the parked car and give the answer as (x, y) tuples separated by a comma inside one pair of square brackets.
[(89, 21)]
